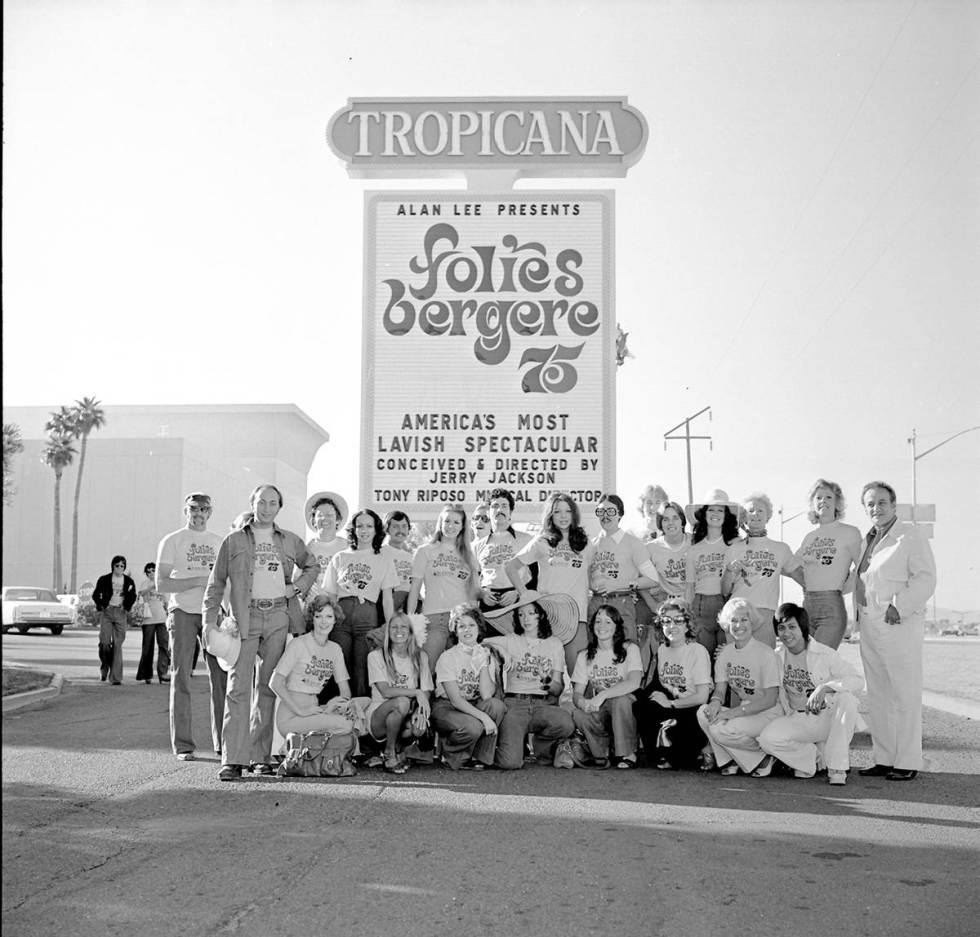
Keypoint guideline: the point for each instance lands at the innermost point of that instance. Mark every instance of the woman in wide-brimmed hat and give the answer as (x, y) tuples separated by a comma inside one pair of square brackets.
[(715, 524), (534, 660), (325, 513)]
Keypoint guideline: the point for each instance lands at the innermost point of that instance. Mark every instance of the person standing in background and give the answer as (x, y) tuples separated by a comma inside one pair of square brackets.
[(114, 596), (325, 512), (154, 627)]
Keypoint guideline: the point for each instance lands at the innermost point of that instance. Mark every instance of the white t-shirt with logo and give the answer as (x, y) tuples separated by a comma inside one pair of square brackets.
[(683, 668), (602, 672), (748, 670), (402, 562), (359, 573), (764, 560), (324, 552), (406, 677), (533, 660), (616, 560), (445, 577), (462, 665), (560, 569), (671, 562), (706, 562), (797, 680), (191, 553), (826, 555), (268, 577), (307, 666), (493, 555)]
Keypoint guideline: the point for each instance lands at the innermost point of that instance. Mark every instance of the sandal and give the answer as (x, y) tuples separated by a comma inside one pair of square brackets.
[(664, 765), (394, 765), (729, 769), (626, 762), (707, 762), (765, 767)]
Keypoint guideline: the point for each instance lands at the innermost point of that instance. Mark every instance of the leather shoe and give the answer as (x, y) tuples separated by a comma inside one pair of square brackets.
[(900, 774), (876, 771), (230, 773)]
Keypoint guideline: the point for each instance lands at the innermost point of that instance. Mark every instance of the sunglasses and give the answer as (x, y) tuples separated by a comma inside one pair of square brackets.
[(483, 518), (606, 512)]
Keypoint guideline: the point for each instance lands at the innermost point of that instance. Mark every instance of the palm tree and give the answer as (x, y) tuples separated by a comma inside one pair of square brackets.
[(58, 453), (12, 444), (87, 415)]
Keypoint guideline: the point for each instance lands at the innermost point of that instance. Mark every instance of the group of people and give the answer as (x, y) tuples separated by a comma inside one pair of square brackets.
[(487, 645)]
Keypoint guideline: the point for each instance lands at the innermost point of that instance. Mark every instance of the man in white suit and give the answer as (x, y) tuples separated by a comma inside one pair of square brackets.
[(895, 578)]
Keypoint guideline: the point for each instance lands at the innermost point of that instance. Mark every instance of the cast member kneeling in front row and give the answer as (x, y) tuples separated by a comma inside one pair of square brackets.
[(605, 676), (401, 682), (534, 661), (747, 670), (667, 717), (311, 664), (466, 712), (817, 697)]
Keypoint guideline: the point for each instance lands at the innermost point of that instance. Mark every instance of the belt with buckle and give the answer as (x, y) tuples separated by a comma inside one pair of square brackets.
[(615, 593), (531, 696), (264, 605)]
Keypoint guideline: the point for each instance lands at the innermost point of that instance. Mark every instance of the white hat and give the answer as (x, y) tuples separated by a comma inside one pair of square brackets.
[(340, 503), (561, 609), (717, 497), (224, 644)]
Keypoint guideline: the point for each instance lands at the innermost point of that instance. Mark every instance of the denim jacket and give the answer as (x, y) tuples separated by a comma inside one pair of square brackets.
[(236, 563)]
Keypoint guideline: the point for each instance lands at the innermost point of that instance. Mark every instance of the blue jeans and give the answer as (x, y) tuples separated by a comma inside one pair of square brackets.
[(540, 715), (707, 632), (185, 633), (828, 617), (360, 618), (247, 730)]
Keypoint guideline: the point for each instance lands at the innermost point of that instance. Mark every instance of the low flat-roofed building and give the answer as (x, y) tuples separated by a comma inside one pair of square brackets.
[(138, 467)]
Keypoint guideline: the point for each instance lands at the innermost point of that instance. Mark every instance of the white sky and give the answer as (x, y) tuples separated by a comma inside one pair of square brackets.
[(798, 247)]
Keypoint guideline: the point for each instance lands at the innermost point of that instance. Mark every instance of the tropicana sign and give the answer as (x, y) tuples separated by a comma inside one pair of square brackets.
[(540, 136)]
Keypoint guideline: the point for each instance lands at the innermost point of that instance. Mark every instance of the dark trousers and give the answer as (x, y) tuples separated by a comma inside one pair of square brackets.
[(360, 618), (154, 633), (680, 743), (112, 633)]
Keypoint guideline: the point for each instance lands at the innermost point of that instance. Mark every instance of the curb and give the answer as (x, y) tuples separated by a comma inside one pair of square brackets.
[(33, 699)]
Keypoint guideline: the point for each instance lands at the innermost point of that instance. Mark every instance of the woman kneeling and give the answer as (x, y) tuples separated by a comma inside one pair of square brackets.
[(466, 712), (401, 682), (312, 669), (667, 717), (747, 672), (605, 676)]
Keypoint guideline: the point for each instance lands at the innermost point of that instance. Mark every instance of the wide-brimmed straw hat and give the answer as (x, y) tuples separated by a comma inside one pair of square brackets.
[(320, 496), (717, 497), (222, 644), (561, 609)]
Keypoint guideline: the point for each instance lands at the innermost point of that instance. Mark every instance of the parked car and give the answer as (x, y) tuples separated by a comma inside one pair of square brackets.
[(971, 630), (26, 607), (954, 630)]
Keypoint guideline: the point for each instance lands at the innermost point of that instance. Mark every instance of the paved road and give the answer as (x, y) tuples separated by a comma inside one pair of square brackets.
[(105, 832)]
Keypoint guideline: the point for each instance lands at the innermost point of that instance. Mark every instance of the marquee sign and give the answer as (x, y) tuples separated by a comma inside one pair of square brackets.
[(489, 348), (376, 137)]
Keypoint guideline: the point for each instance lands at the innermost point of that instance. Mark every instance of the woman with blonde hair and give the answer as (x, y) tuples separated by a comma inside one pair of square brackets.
[(826, 557), (446, 568), (756, 563), (401, 682), (746, 694)]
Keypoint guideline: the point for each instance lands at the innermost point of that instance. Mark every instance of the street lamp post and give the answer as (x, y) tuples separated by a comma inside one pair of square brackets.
[(921, 455)]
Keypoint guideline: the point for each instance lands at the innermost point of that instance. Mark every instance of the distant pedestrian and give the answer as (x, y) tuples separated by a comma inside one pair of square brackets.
[(184, 561), (154, 627), (114, 596)]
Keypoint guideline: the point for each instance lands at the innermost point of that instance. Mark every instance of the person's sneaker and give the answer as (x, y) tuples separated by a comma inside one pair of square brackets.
[(803, 775), (837, 777), (262, 770), (230, 773), (185, 756)]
